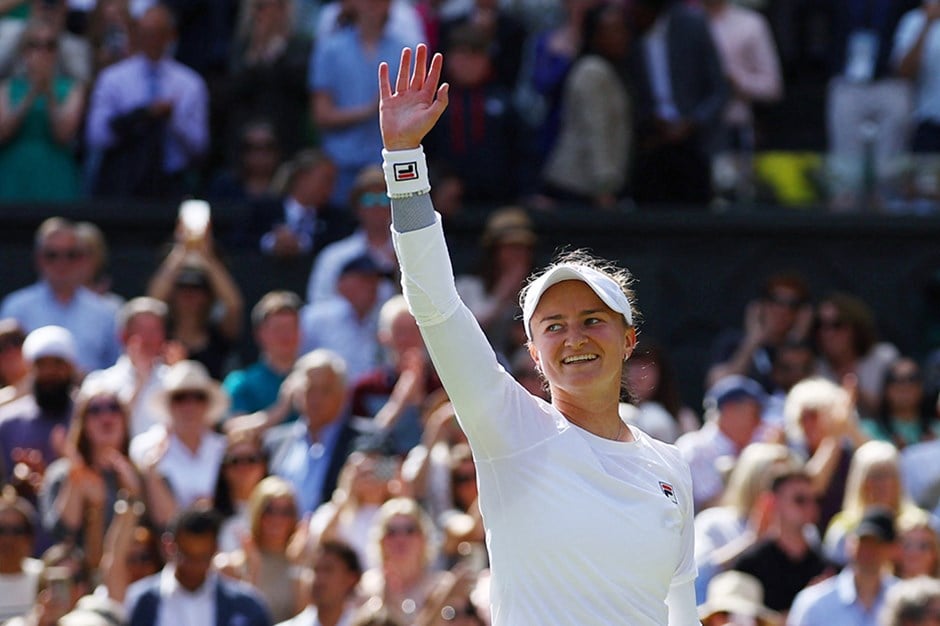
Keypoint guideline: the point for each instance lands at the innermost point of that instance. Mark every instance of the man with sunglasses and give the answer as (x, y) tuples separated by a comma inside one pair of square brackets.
[(58, 298)]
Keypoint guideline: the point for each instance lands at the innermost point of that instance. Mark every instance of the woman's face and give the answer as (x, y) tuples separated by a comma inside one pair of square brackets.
[(882, 486), (191, 300), (189, 408), (919, 553), (243, 467), (464, 478), (105, 423), (141, 558), (904, 388), (40, 50), (834, 332), (278, 519), (402, 539), (579, 342)]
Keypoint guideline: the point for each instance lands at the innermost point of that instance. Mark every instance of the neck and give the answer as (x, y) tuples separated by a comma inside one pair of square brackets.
[(597, 416), (371, 31), (791, 540), (190, 437), (281, 364), (867, 586), (63, 294), (329, 615)]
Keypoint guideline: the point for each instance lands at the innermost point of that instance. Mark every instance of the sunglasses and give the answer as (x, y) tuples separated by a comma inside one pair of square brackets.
[(100, 408), (72, 254), (21, 530), (803, 500), (189, 396), (401, 530), (912, 377), (922, 546), (245, 459), (280, 511), (832, 324), (42, 44), (464, 478), (374, 199)]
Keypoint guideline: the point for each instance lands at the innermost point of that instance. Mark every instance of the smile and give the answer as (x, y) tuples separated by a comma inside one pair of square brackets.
[(580, 358)]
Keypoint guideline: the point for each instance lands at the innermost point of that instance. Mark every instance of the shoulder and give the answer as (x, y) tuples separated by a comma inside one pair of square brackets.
[(814, 598), (24, 296), (19, 409)]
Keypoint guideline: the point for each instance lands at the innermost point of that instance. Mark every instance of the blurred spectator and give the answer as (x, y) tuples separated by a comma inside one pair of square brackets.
[(505, 260), (782, 312), (80, 489), (205, 303), (40, 113), (206, 30), (268, 75), (478, 135), (180, 459), (301, 221), (147, 125), (734, 598), (792, 362), (920, 548), (503, 37), (244, 465), (14, 370), (906, 415), (32, 429), (132, 549), (344, 96), (188, 588), (19, 573), (403, 538), (110, 31), (95, 261), (855, 596), (678, 103), (462, 525), (59, 588), (912, 603), (452, 601), (655, 389), (749, 56), (263, 560), (140, 371), (72, 54), (591, 160), (276, 322), (784, 561), (348, 324), (257, 158), (847, 342), (370, 205), (59, 298), (404, 21), (311, 451), (336, 573), (874, 480), (733, 409), (916, 55)]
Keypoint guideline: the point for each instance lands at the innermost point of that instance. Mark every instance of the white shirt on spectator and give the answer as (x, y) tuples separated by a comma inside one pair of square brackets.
[(191, 476)]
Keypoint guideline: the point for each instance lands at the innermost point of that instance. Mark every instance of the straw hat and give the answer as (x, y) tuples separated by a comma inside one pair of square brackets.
[(192, 376), (509, 225), (737, 592)]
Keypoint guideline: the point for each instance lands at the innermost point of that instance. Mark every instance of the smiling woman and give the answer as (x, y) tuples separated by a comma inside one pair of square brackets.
[(588, 520)]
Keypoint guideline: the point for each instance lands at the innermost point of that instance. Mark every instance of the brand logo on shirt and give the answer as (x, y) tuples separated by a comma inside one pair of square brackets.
[(668, 491), (406, 171)]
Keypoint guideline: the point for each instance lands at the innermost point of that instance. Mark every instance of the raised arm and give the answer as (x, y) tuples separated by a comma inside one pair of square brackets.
[(408, 114)]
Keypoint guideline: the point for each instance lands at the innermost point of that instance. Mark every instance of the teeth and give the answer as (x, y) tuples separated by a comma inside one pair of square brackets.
[(579, 358)]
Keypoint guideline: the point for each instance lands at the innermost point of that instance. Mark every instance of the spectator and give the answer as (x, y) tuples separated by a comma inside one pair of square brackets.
[(264, 559), (336, 573), (110, 31), (372, 237), (258, 156), (147, 123), (920, 547), (14, 370), (404, 21), (781, 313), (132, 550), (268, 76), (344, 93), (189, 588), (462, 525), (79, 490), (59, 298), (276, 322), (73, 54), (311, 451), (503, 37), (180, 459), (677, 104), (734, 596), (856, 595), (348, 324), (19, 573), (590, 162), (140, 371), (244, 465), (793, 361), (96, 276), (906, 415), (40, 113), (784, 561), (479, 132), (916, 58), (301, 221), (847, 342), (733, 409), (654, 388), (912, 603), (453, 601), (196, 285), (32, 428)]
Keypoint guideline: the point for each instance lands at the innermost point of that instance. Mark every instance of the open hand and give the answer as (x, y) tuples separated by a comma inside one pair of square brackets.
[(407, 115)]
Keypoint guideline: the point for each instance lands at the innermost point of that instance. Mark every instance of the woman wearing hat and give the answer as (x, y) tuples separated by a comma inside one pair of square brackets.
[(181, 459), (588, 520), (736, 599)]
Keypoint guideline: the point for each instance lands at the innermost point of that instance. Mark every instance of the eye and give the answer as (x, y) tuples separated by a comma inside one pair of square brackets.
[(591, 321), (553, 327)]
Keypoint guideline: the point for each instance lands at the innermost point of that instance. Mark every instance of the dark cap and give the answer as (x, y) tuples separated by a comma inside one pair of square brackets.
[(364, 264), (278, 301), (192, 276), (734, 388), (877, 522)]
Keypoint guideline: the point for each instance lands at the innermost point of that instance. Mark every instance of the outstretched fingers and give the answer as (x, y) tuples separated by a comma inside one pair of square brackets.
[(434, 74), (385, 88), (404, 67), (421, 62)]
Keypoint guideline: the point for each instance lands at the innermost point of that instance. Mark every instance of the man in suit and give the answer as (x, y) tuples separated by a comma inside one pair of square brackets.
[(188, 590), (681, 92)]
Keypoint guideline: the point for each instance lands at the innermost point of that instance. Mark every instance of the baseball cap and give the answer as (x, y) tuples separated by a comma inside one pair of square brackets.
[(606, 288), (50, 341), (877, 522), (734, 388)]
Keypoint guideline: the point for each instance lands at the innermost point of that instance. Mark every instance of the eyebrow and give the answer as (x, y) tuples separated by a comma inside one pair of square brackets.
[(558, 316)]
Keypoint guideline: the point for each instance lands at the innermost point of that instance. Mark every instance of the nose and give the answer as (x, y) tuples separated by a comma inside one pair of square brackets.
[(575, 339)]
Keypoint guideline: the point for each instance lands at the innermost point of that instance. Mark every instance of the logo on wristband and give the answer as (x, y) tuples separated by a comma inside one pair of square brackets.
[(406, 171)]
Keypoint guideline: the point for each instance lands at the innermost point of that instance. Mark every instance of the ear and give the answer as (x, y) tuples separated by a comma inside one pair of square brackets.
[(629, 342), (534, 353)]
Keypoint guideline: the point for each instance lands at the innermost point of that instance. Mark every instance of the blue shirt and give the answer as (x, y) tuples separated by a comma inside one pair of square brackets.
[(88, 316), (834, 602), (305, 463), (254, 388)]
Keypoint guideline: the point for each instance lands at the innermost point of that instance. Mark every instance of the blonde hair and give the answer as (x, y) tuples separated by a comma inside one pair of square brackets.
[(870, 456), (918, 519), (816, 394), (752, 471), (408, 507), (270, 488)]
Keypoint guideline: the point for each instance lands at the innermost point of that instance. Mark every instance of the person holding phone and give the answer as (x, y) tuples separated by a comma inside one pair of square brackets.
[(588, 519)]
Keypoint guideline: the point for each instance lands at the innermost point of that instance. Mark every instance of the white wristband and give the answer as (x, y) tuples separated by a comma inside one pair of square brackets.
[(406, 172)]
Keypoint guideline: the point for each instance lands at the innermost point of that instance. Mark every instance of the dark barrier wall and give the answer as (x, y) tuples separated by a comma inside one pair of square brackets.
[(695, 271)]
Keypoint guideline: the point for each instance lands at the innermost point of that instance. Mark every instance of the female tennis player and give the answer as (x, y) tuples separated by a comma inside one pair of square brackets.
[(588, 520)]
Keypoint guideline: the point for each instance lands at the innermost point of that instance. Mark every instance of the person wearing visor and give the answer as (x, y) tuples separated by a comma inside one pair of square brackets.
[(588, 519)]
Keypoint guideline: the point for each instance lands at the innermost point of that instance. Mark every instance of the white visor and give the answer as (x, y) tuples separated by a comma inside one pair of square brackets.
[(606, 288)]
